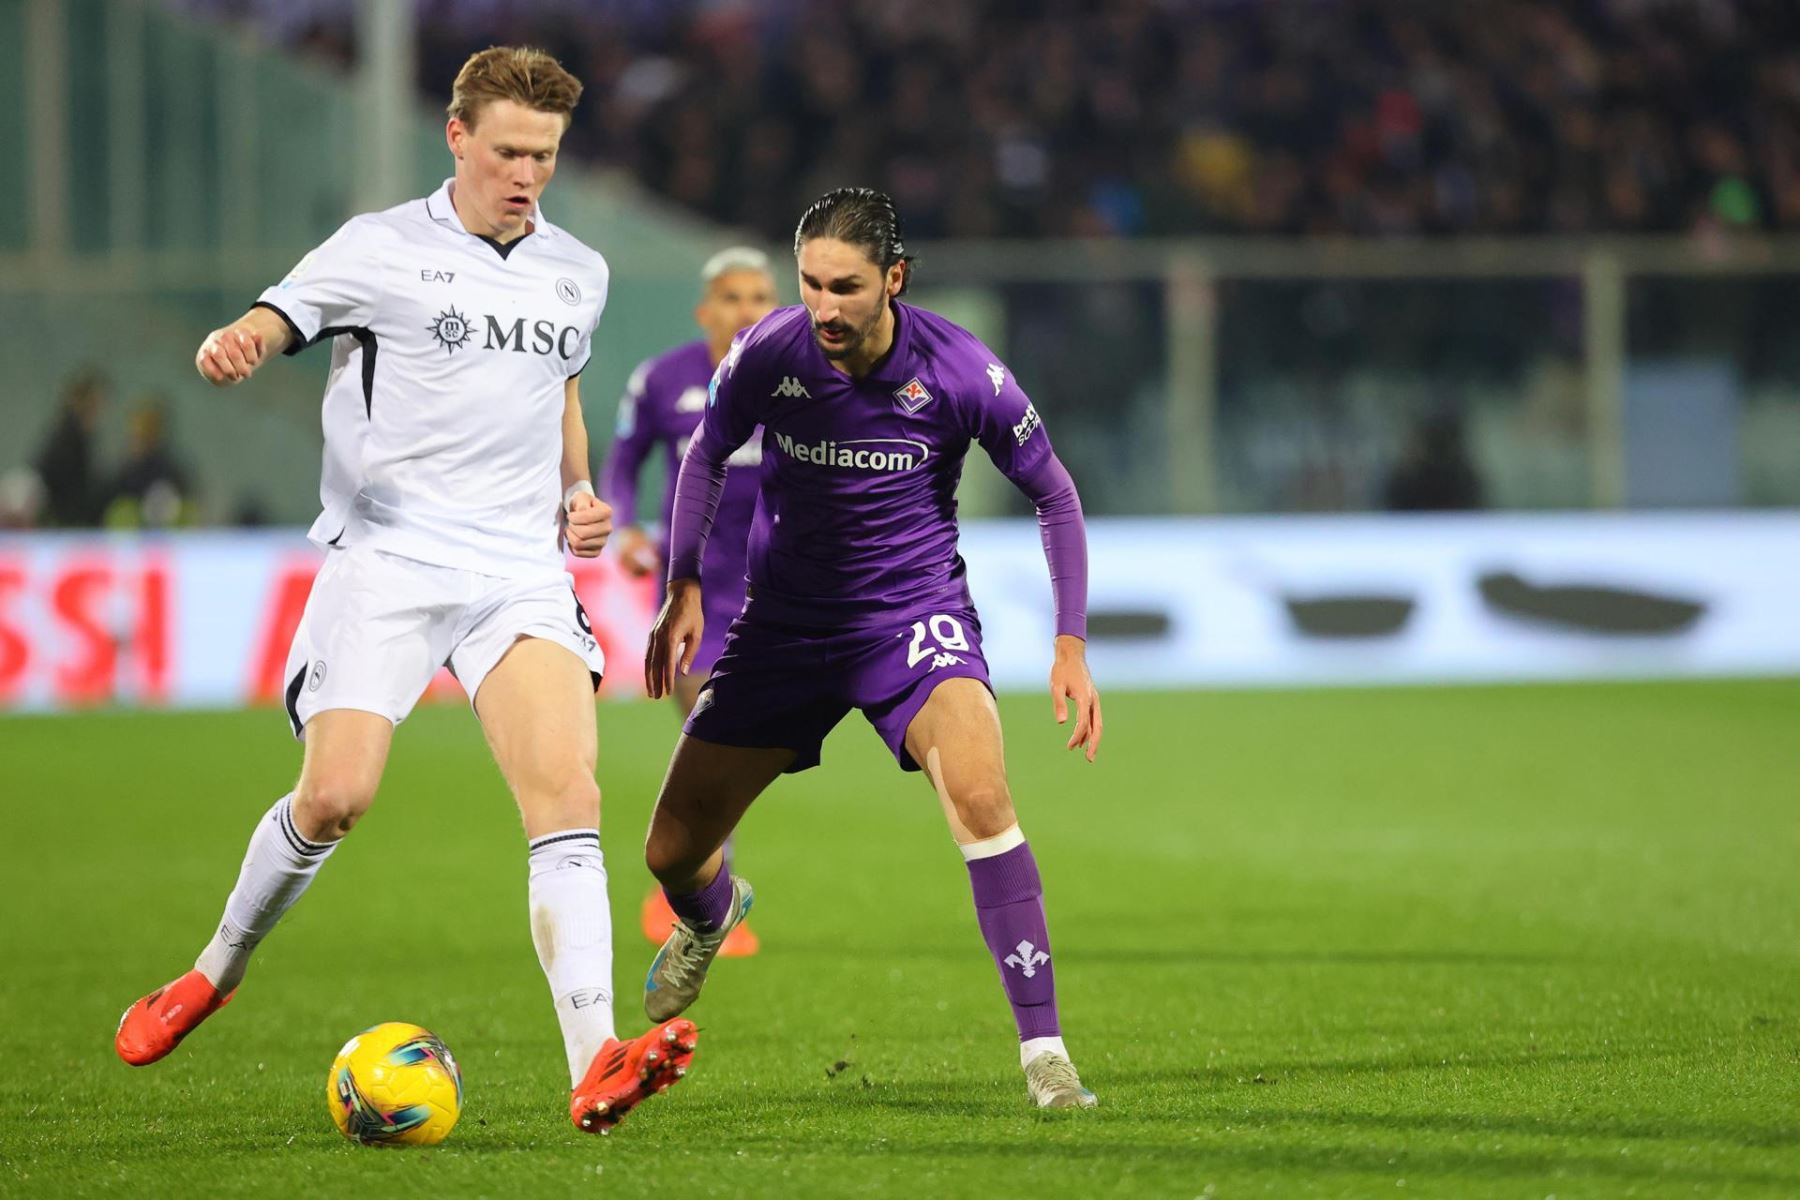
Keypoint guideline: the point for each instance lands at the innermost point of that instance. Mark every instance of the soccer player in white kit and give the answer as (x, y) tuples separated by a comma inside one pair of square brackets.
[(456, 463)]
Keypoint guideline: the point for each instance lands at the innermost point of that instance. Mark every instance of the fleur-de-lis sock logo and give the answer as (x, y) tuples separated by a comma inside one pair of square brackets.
[(1028, 958)]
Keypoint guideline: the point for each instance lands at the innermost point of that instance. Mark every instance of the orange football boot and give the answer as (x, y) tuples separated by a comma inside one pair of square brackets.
[(624, 1074), (156, 1024), (657, 918)]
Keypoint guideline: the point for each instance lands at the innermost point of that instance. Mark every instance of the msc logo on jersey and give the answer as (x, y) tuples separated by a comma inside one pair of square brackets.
[(691, 400), (913, 396), (567, 292), (1028, 424), (792, 389), (454, 330), (451, 329), (861, 454)]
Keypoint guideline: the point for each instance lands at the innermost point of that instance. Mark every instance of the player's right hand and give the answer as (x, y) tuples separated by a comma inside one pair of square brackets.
[(229, 355), (674, 638), (637, 553)]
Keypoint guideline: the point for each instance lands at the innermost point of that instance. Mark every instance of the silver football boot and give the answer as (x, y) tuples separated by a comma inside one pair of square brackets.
[(679, 968), (1052, 1082)]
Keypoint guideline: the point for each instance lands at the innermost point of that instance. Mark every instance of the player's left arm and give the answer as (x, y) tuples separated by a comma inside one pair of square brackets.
[(1009, 429), (587, 519)]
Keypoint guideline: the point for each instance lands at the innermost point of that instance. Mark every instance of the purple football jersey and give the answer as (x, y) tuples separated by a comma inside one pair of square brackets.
[(857, 517), (662, 406)]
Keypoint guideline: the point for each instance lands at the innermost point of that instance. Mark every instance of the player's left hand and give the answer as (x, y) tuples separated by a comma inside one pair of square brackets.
[(1071, 687), (587, 523)]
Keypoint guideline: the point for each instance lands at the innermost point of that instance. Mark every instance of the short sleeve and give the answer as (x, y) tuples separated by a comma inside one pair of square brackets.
[(600, 281), (1006, 422), (336, 286)]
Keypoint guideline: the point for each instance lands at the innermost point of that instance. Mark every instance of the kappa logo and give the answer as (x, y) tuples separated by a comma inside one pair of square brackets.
[(452, 330), (913, 396), (791, 388), (567, 292), (943, 659), (1028, 424), (1028, 958), (317, 677), (996, 376)]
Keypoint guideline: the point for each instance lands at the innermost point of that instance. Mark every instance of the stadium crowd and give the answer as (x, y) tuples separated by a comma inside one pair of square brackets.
[(1133, 117)]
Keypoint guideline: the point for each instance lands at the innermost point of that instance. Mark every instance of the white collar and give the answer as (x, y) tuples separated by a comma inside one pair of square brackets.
[(442, 209)]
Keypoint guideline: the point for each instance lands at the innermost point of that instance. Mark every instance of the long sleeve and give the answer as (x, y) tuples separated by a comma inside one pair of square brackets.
[(1007, 425), (634, 437), (730, 416), (1064, 533), (697, 492)]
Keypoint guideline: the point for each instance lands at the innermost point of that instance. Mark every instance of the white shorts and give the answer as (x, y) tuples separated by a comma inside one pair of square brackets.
[(377, 627)]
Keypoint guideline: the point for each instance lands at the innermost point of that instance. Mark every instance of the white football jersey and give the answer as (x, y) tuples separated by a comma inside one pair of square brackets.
[(443, 408)]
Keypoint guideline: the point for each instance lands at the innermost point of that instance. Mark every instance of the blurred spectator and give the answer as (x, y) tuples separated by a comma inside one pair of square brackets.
[(1386, 117), (151, 489), (21, 498), (65, 463), (1435, 473)]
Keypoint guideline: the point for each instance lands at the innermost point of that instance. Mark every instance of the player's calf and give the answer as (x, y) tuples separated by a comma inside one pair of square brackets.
[(1009, 905)]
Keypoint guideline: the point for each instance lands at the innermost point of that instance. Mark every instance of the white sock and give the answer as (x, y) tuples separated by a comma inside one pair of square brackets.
[(571, 925), (1030, 1049), (277, 867)]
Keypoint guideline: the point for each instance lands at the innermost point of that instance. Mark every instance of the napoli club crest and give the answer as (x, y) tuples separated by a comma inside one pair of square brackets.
[(913, 396)]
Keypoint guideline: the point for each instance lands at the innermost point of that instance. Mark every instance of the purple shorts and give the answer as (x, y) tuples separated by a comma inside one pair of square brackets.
[(780, 687)]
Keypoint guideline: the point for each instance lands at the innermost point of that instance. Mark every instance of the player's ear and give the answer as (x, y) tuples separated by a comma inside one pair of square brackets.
[(454, 134)]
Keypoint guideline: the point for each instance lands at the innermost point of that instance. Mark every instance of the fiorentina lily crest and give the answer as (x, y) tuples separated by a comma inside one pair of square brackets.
[(913, 396)]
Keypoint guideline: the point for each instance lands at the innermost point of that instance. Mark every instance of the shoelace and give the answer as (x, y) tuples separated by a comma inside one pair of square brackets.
[(689, 955), (1055, 1073)]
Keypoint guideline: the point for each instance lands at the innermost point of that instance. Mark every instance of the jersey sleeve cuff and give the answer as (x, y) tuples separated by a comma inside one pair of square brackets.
[(297, 341)]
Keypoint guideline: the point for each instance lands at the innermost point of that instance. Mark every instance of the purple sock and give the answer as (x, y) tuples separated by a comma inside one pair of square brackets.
[(1009, 903), (705, 909)]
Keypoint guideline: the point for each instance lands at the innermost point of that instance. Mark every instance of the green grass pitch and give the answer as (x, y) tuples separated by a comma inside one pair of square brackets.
[(1510, 942)]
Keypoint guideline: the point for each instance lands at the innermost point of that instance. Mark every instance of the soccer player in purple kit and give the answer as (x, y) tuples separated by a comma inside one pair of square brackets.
[(661, 407), (857, 599)]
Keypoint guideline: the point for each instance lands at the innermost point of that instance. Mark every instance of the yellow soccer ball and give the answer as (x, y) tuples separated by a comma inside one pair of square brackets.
[(395, 1085)]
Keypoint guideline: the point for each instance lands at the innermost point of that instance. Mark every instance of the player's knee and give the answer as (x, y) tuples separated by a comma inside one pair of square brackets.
[(326, 807), (985, 809), (669, 854), (568, 799)]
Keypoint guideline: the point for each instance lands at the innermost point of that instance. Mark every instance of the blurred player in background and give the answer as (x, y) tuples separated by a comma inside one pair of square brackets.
[(857, 599), (662, 406), (456, 463)]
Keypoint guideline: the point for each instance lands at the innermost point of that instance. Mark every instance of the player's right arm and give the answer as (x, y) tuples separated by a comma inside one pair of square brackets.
[(334, 288), (232, 354), (731, 414), (634, 437)]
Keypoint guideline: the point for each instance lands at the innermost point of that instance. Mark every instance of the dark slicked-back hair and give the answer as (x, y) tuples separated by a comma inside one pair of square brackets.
[(860, 217)]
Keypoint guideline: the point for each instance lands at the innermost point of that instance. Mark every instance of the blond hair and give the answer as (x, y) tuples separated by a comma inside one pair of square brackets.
[(522, 74)]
